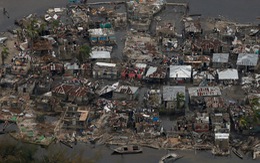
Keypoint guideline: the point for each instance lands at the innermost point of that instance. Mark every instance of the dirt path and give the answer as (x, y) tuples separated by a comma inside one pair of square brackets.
[(10, 45)]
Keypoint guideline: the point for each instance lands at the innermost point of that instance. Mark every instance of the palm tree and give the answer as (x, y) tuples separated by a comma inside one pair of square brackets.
[(32, 31), (84, 53), (256, 117), (243, 122), (180, 99), (42, 28), (254, 102), (4, 54)]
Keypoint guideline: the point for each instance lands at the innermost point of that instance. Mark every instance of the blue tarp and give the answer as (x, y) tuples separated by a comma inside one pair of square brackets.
[(93, 38), (103, 38), (155, 119)]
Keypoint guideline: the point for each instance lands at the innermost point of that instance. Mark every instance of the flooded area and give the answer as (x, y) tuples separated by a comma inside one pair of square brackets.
[(161, 79), (104, 154), (237, 10)]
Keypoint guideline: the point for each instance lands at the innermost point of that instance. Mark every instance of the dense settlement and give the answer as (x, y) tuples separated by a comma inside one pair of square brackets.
[(106, 73)]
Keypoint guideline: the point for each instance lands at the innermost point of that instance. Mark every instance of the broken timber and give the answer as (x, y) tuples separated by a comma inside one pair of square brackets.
[(178, 4), (102, 3)]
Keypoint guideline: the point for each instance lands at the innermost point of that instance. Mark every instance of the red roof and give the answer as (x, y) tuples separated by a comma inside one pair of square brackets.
[(63, 89)]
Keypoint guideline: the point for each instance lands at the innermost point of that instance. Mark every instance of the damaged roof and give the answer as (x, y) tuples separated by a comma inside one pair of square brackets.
[(127, 89), (78, 91), (63, 89), (204, 91), (170, 92)]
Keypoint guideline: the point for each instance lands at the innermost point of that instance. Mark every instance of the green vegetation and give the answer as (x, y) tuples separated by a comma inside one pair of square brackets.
[(4, 54), (84, 53), (253, 119), (180, 100), (12, 151)]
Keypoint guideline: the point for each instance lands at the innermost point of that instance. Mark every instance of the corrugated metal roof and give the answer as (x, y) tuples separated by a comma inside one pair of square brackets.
[(100, 55), (127, 89), (151, 70), (247, 59), (62, 89), (71, 66), (204, 91), (221, 135), (180, 71), (140, 65), (220, 57), (106, 64), (228, 74)]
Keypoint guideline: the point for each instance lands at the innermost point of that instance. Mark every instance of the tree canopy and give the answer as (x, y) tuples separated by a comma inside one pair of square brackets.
[(84, 53), (4, 54)]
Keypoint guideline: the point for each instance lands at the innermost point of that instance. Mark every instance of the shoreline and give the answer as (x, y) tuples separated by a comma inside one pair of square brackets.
[(153, 142)]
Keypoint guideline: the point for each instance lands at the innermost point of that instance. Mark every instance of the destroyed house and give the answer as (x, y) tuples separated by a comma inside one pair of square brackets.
[(42, 87), (215, 104), (2, 71), (142, 9), (201, 123), (134, 72), (119, 20), (105, 70), (42, 45), (192, 27), (20, 66), (197, 61), (139, 16), (220, 122), (53, 68), (79, 16), (199, 77), (165, 30), (156, 74), (47, 104), (61, 91), (79, 95), (147, 123), (221, 142), (11, 102), (125, 93), (72, 68), (11, 107), (197, 95), (118, 121), (9, 81), (73, 93), (140, 48), (174, 97), (86, 69), (75, 117), (256, 151), (153, 98), (26, 86), (207, 46)]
